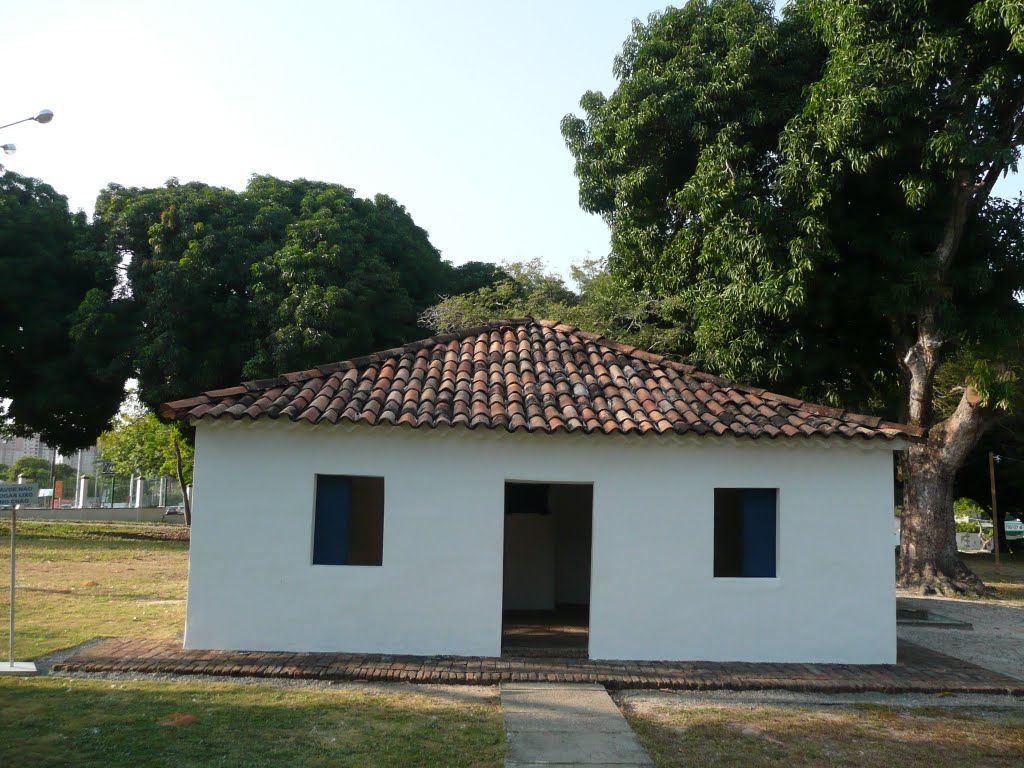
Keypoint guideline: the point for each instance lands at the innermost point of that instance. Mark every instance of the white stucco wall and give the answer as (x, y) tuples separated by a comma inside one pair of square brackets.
[(439, 590)]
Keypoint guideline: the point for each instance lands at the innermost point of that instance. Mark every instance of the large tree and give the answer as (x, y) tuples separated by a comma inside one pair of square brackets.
[(60, 381), (222, 285), (816, 190)]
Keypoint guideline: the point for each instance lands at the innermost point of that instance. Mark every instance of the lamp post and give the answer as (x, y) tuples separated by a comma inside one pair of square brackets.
[(44, 116), (12, 667)]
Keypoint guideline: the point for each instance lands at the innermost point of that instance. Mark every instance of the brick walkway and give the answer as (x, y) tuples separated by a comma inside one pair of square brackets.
[(919, 670)]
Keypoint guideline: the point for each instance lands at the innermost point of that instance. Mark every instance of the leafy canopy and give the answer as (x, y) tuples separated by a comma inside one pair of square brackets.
[(37, 470), (788, 181), (225, 285), (61, 382), (140, 444), (599, 304)]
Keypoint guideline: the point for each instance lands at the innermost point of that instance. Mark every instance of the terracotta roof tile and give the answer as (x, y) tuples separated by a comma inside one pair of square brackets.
[(535, 375)]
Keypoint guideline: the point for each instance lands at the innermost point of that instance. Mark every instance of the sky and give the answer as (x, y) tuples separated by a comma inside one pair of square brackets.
[(452, 108)]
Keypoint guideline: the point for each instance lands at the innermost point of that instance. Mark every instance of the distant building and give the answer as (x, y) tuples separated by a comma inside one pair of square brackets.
[(89, 458), (14, 448)]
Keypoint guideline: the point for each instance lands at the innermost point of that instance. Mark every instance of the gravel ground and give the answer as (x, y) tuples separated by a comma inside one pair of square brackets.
[(43, 663), (644, 699), (996, 642)]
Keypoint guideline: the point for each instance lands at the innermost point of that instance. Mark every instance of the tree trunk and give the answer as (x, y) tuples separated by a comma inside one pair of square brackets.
[(180, 472), (929, 562)]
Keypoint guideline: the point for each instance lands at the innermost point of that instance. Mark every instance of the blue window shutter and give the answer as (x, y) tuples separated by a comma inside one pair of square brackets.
[(759, 512), (330, 530)]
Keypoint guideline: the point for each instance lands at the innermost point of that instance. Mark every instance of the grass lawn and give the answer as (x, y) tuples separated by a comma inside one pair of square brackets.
[(77, 581), (54, 721), (867, 736), (1008, 580)]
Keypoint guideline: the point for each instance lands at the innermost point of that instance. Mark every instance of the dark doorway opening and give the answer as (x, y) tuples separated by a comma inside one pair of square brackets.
[(546, 596)]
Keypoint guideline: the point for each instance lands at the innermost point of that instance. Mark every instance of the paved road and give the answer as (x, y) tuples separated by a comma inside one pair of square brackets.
[(576, 724)]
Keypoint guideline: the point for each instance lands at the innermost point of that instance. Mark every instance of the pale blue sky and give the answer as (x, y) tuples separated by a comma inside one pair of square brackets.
[(452, 108)]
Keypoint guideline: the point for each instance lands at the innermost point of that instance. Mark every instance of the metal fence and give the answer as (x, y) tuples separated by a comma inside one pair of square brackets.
[(118, 491)]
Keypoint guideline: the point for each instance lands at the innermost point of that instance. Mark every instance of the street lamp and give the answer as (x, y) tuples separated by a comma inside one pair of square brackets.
[(9, 149), (44, 116)]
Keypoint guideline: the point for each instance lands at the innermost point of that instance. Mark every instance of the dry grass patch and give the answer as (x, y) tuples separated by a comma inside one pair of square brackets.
[(86, 723), (873, 736), (77, 581), (1007, 580)]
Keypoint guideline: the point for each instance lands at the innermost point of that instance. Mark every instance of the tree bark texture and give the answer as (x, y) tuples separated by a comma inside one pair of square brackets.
[(180, 472), (929, 562)]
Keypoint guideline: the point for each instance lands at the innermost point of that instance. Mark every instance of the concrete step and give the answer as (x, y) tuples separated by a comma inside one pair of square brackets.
[(915, 616)]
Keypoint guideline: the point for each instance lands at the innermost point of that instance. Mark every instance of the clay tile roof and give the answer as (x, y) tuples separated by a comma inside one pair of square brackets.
[(535, 375)]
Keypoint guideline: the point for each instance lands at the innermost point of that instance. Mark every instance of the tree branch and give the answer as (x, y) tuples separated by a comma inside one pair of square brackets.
[(959, 433), (968, 197)]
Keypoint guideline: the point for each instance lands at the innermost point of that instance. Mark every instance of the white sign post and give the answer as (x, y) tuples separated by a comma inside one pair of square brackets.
[(14, 494)]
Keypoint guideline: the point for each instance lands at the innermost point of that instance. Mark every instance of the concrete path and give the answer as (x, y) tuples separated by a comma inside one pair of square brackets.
[(577, 724)]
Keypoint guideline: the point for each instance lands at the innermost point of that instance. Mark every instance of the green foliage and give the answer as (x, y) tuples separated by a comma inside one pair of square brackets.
[(681, 161), (281, 276), (965, 507), (916, 111), (60, 384), (473, 275), (37, 470), (32, 470), (350, 277), (188, 250), (996, 388), (999, 386), (141, 444), (600, 304), (527, 289), (788, 183)]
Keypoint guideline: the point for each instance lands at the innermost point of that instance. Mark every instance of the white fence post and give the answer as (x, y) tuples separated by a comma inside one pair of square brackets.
[(83, 491)]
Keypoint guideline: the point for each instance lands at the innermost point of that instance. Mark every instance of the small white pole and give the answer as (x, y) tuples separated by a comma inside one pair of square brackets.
[(78, 475), (12, 667), (83, 490), (14, 523)]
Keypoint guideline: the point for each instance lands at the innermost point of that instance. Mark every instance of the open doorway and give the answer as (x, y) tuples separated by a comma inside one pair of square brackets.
[(546, 596)]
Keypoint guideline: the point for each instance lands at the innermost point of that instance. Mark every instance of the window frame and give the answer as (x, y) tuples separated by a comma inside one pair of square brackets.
[(740, 578), (313, 518)]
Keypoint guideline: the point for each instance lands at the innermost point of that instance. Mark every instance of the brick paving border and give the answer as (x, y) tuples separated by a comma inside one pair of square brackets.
[(918, 670)]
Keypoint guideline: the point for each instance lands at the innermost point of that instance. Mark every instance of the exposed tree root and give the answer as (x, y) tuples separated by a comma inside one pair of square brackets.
[(960, 582)]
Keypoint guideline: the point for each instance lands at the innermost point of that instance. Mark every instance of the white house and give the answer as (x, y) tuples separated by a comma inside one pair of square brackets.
[(425, 499)]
